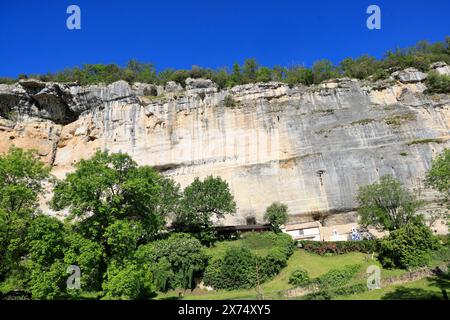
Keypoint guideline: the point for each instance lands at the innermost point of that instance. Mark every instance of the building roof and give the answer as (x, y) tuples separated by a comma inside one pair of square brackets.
[(255, 227), (306, 225)]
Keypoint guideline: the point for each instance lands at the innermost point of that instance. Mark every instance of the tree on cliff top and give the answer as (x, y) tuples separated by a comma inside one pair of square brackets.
[(386, 205)]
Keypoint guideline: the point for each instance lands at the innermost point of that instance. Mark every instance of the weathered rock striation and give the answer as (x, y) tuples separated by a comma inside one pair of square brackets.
[(309, 147)]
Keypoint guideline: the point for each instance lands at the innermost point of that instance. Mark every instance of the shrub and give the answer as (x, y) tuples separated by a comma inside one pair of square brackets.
[(176, 260), (229, 102), (342, 291), (338, 247), (337, 277), (437, 83), (299, 277), (239, 267), (48, 284), (352, 289), (442, 253), (438, 178), (271, 265), (409, 246), (320, 295), (213, 273), (127, 282)]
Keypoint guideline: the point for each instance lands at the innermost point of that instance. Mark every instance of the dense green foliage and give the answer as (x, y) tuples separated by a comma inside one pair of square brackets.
[(239, 267), (438, 83), (338, 247), (336, 282), (118, 215), (299, 277), (111, 187), (277, 215), (22, 179), (409, 246), (116, 233), (127, 281), (202, 201), (175, 262), (419, 56), (337, 277), (439, 175), (386, 204)]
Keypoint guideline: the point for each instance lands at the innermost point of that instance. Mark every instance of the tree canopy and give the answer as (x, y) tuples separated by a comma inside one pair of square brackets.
[(277, 215), (111, 187), (419, 56), (201, 202), (22, 178), (386, 204)]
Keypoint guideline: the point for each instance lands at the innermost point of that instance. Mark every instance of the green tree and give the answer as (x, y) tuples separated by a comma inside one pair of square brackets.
[(278, 73), (49, 283), (122, 237), (175, 261), (277, 215), (360, 68), (22, 177), (140, 72), (236, 75), (239, 268), (89, 257), (110, 187), (250, 70), (439, 175), (222, 78), (263, 74), (45, 239), (408, 246), (387, 205), (297, 75), (201, 202), (438, 178), (127, 282), (323, 70)]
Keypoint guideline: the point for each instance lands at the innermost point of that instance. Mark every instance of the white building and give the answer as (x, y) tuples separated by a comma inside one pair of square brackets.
[(305, 231)]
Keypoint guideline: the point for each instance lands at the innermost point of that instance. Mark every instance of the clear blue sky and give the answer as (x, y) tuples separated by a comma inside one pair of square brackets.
[(209, 33)]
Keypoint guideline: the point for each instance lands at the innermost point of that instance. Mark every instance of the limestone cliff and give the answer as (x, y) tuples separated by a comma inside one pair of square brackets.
[(309, 147)]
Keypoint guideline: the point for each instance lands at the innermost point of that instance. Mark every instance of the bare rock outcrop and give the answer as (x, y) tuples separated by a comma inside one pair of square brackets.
[(309, 147)]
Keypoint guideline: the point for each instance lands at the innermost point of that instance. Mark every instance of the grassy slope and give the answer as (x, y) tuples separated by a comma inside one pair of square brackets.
[(423, 289), (314, 264)]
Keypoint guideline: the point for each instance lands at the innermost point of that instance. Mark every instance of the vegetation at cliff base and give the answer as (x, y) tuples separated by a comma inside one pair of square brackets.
[(133, 234), (277, 215), (387, 205)]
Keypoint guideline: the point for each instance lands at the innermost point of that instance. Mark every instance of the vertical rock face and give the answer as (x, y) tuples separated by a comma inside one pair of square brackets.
[(310, 148)]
